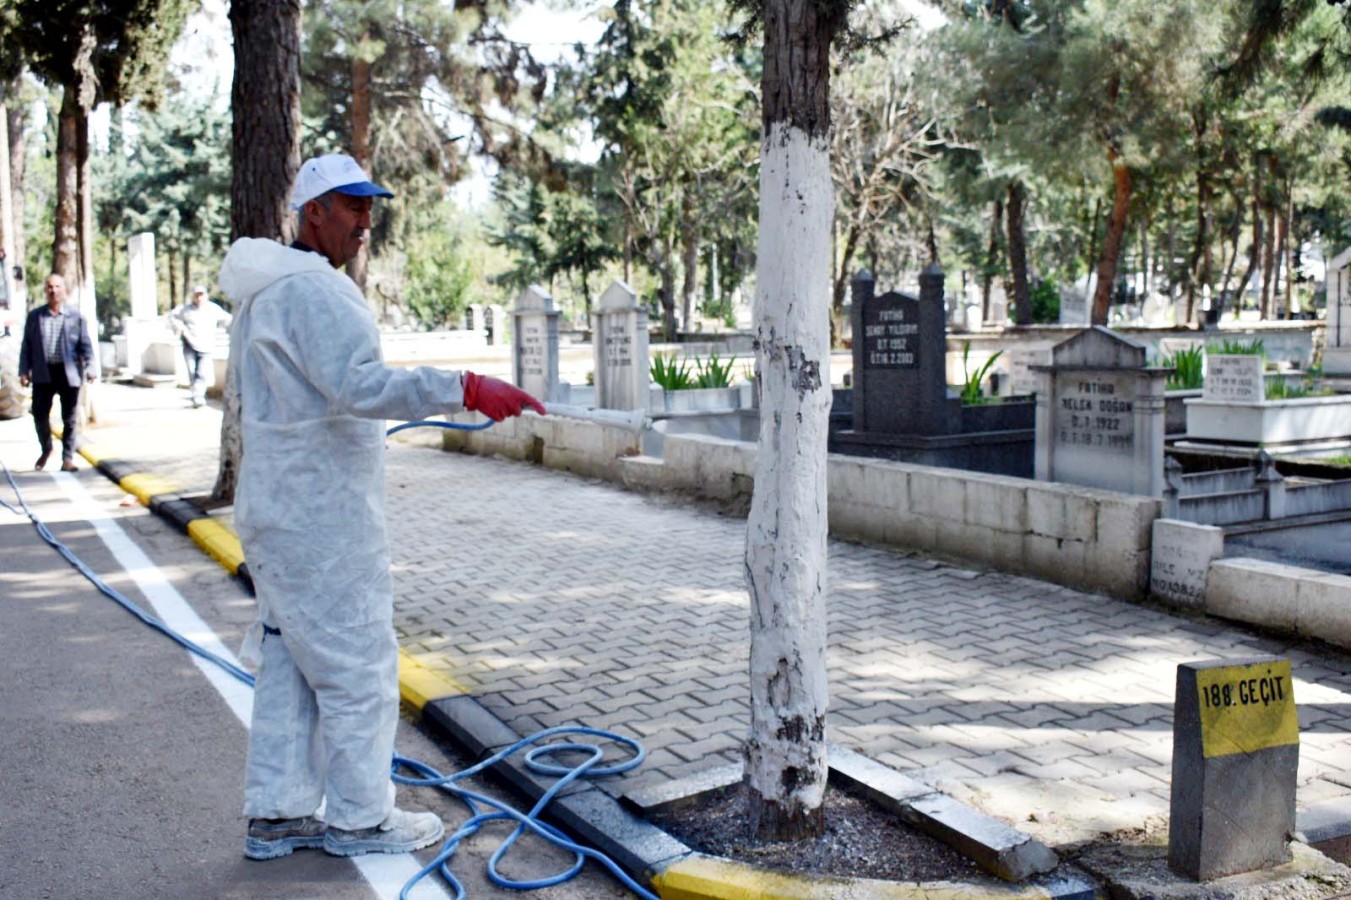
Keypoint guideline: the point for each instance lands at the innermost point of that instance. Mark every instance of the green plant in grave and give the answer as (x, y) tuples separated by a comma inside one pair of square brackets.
[(1280, 389), (713, 372), (671, 372), (971, 392), (1239, 348), (1189, 369)]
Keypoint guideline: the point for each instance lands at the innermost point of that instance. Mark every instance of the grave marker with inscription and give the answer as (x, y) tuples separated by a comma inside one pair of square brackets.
[(1179, 560), (900, 362), (1233, 379), (619, 348), (1235, 758), (535, 348), (1100, 415)]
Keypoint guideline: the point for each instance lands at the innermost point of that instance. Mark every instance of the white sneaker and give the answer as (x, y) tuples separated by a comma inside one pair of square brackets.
[(401, 832)]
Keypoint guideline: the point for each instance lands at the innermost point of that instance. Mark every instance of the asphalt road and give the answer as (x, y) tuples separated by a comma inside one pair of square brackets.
[(122, 763)]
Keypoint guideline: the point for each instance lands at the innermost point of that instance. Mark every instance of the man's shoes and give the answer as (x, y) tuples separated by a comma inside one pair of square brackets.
[(42, 461), (271, 838), (68, 466), (401, 832)]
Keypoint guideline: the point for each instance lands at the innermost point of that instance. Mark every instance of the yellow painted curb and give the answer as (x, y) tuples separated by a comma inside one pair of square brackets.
[(420, 685), (219, 541), (700, 877), (93, 454), (146, 486)]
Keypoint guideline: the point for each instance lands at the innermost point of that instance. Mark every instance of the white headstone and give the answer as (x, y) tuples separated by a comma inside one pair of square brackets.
[(1100, 415), (1337, 354), (1233, 379), (1020, 362), (1180, 559), (141, 259), (1074, 304), (535, 348), (619, 347)]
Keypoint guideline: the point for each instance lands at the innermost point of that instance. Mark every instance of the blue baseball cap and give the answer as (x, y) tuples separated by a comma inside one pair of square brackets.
[(335, 172)]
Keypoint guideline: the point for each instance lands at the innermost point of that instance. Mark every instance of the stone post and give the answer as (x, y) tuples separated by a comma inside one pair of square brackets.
[(619, 349), (535, 347)]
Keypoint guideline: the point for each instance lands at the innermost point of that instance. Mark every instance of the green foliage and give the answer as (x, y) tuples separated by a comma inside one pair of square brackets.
[(441, 278), (971, 389), (1189, 369), (713, 372), (1230, 347), (129, 42), (671, 372), (1045, 297)]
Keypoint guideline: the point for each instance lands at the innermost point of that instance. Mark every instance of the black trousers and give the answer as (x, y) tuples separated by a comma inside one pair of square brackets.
[(43, 394)]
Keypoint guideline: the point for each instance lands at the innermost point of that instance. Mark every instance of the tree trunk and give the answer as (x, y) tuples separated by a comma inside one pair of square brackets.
[(170, 252), (66, 247), (991, 262), (841, 285), (1144, 257), (1092, 258), (668, 305), (8, 257), (1022, 297), (786, 531), (1198, 268), (265, 152), (18, 149), (1268, 259), (1255, 247), (1291, 244), (1111, 244), (1282, 233), (689, 237), (187, 275), (361, 144)]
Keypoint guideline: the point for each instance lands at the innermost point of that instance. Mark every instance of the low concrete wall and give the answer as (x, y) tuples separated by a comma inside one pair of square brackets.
[(1094, 540), (1079, 537), (1286, 598)]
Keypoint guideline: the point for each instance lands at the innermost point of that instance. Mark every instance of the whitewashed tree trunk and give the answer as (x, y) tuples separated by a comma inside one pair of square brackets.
[(786, 535)]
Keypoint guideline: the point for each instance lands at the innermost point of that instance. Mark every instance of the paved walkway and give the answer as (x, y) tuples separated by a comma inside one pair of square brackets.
[(558, 599)]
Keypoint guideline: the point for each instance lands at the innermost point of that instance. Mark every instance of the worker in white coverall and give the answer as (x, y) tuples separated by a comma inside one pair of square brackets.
[(310, 511)]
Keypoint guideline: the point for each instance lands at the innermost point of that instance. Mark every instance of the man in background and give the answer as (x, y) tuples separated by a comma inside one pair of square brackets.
[(55, 357), (195, 323)]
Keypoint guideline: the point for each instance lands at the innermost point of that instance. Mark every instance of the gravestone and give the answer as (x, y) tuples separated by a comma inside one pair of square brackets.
[(473, 318), (1235, 759), (535, 350), (900, 359), (1337, 353), (1179, 560), (900, 405), (1074, 305), (1100, 415), (1233, 379), (142, 327), (1020, 362), (619, 348)]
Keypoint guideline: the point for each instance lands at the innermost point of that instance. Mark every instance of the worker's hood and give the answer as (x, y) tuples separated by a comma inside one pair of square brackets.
[(254, 264)]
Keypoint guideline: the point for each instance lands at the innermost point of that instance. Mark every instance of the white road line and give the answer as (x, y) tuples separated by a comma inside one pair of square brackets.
[(386, 873)]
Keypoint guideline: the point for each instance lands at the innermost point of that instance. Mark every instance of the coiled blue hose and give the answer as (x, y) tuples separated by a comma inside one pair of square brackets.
[(427, 776)]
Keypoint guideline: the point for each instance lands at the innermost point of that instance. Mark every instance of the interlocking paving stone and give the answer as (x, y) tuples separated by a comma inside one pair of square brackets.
[(627, 610)]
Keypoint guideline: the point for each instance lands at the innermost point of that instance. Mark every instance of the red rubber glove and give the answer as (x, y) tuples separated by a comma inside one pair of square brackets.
[(495, 398)]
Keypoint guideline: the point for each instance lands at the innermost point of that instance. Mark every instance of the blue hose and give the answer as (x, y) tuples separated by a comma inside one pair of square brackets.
[(426, 776)]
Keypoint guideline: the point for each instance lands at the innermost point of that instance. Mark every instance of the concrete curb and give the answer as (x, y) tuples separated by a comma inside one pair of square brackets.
[(678, 873)]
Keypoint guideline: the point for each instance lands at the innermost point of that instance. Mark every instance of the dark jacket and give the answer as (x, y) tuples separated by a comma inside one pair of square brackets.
[(77, 351)]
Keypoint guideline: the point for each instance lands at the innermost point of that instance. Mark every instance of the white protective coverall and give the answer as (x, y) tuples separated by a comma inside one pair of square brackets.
[(310, 512)]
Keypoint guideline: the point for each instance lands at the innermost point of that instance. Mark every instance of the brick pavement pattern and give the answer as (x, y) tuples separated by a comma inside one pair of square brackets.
[(558, 599)]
